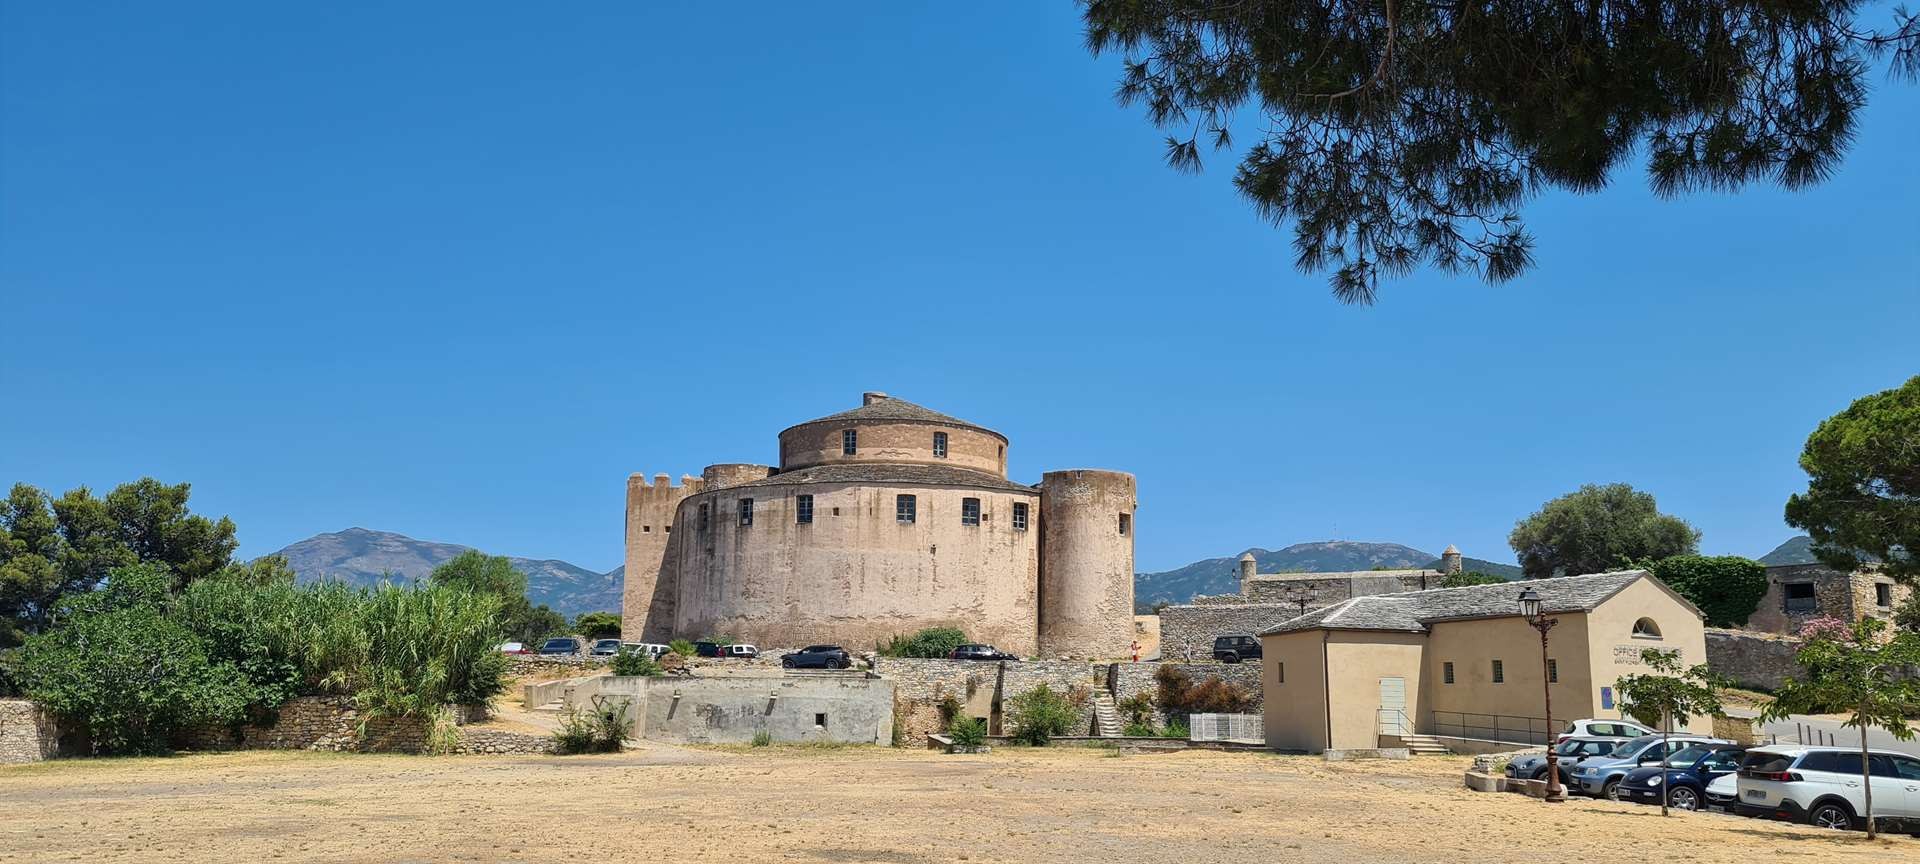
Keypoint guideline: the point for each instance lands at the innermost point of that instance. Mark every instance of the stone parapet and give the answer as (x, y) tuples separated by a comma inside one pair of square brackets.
[(27, 733)]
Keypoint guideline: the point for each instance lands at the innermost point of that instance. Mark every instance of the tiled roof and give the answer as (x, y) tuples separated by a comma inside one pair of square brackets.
[(1414, 610), (887, 472), (889, 408)]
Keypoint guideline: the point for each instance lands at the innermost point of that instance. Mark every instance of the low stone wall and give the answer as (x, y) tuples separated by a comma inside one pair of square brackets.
[(1187, 632), (27, 734), (536, 665), (1760, 661), (1133, 678), (981, 689), (495, 742)]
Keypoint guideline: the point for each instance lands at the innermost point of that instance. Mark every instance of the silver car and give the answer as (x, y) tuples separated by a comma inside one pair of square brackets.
[(1599, 776), (1572, 751)]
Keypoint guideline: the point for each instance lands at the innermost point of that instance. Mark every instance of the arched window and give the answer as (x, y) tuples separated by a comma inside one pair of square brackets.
[(1646, 629)]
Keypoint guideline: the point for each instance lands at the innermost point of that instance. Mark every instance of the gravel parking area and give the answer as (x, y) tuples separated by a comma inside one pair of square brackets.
[(842, 805)]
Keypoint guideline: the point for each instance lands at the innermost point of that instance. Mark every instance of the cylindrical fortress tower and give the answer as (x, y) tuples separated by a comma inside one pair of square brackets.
[(733, 474), (1086, 563)]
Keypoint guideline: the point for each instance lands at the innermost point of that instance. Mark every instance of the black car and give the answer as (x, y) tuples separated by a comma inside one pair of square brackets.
[(979, 652), (706, 649), (560, 646), (1233, 649), (817, 657)]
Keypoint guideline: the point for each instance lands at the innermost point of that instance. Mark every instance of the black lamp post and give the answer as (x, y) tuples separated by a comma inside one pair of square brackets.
[(1535, 612)]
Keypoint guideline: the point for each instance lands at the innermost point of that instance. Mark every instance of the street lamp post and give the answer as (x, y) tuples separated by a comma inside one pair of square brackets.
[(1535, 612)]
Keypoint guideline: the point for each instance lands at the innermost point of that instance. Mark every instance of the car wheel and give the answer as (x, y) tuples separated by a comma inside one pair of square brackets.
[(1683, 798), (786, 664), (1831, 816), (1539, 775), (1229, 657), (1612, 792)]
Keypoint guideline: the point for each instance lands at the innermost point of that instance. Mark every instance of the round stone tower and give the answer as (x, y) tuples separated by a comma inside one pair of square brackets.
[(1450, 560), (1086, 563), (1247, 567)]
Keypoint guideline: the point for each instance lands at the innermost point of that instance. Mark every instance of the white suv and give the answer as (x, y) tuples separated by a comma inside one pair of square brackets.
[(1821, 786)]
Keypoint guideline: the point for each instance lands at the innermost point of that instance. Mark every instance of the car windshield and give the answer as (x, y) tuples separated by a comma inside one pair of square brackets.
[(1626, 749), (559, 643), (1685, 758), (1569, 748)]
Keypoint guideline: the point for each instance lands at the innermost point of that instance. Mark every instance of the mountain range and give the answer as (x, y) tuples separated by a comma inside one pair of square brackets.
[(362, 557)]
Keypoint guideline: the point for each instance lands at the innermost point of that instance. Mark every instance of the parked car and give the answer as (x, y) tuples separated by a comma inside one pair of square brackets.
[(1599, 775), (1724, 791), (653, 650), (1683, 778), (706, 649), (1571, 751), (979, 652), (817, 657), (1233, 649), (1821, 786), (1605, 729), (739, 652), (605, 647), (560, 645), (514, 648)]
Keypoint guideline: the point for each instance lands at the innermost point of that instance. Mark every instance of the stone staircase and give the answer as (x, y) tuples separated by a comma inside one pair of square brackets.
[(1106, 716), (1425, 745)]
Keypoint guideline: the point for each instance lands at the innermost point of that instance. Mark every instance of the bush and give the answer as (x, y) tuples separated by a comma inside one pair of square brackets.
[(1180, 698), (681, 647), (931, 643), (968, 732), (1137, 709), (1139, 730), (1727, 588), (762, 738), (597, 625), (631, 662), (949, 708), (600, 729), (1176, 729), (1040, 714)]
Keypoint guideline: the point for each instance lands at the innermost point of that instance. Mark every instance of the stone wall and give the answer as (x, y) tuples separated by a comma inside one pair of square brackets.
[(1134, 678), (1187, 632), (788, 710), (27, 734), (919, 686), (1758, 661), (332, 724)]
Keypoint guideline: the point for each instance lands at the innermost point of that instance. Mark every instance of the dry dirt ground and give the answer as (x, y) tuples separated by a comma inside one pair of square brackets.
[(844, 805)]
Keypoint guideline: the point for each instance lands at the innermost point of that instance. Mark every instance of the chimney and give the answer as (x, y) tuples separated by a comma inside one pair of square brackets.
[(871, 396)]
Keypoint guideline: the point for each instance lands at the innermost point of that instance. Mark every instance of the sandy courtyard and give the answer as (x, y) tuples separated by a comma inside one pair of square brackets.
[(847, 805)]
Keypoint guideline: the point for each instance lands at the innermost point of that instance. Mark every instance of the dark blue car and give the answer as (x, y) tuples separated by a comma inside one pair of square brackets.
[(1684, 777)]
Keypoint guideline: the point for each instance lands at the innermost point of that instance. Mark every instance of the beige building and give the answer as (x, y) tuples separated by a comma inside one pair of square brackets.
[(1798, 593), (1463, 663), (877, 522)]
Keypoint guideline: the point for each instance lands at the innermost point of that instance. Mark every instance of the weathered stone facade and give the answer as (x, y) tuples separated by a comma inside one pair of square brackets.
[(1129, 679), (1758, 661), (980, 689), (27, 733), (1187, 631), (878, 522), (332, 724), (1798, 593)]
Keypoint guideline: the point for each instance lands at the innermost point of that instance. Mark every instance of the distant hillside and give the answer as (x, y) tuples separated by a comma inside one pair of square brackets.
[(362, 557), (1797, 550), (1491, 568)]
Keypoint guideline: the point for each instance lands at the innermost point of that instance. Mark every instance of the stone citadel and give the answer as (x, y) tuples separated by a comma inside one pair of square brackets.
[(878, 522)]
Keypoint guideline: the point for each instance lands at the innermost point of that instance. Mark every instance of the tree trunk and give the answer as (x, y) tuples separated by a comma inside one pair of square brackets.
[(1866, 773)]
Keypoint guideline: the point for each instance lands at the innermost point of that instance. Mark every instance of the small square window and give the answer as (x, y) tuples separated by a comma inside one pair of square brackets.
[(1553, 671), (746, 511), (820, 720), (669, 529), (969, 511), (1019, 517), (849, 442), (1446, 673), (940, 445), (1499, 673), (905, 509), (836, 511), (1126, 524), (803, 509), (646, 529)]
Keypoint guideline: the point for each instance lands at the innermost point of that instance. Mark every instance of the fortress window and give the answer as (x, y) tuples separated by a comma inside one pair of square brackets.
[(746, 511), (803, 509), (646, 529), (850, 442), (702, 524), (940, 445), (904, 509), (969, 511), (1499, 673), (1019, 517), (1126, 523)]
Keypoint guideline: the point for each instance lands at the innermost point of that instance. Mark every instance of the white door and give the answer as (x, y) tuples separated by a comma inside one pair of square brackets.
[(1393, 707)]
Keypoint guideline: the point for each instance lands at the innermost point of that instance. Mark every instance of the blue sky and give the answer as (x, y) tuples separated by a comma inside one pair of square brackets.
[(455, 270)]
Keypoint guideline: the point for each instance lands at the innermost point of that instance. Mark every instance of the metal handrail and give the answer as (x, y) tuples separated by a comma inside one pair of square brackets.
[(1507, 728), (1392, 721)]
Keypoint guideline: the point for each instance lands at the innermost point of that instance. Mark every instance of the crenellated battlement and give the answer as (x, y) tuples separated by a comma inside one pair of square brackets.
[(651, 506)]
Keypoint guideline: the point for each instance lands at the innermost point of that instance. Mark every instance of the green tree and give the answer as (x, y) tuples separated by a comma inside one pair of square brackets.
[(1863, 484), (495, 575), (1040, 714), (1672, 693), (124, 674), (523, 622), (1596, 529), (54, 548), (1469, 577), (1395, 134), (1856, 670), (930, 643), (597, 625), (1727, 588)]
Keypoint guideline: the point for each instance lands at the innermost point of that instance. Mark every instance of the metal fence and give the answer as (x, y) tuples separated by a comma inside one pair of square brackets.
[(1244, 728), (1506, 728)]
